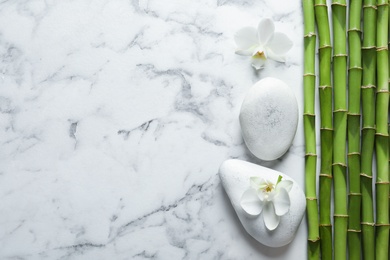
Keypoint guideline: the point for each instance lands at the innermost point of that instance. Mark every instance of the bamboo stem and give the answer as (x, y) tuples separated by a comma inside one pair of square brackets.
[(354, 83), (340, 128), (368, 126), (381, 135), (326, 131), (309, 129)]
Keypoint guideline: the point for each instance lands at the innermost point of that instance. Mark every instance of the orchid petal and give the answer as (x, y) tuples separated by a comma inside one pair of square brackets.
[(256, 182), (257, 50), (262, 195), (265, 31), (271, 195), (246, 38), (263, 184), (286, 184), (246, 52), (258, 63), (281, 202), (271, 220), (250, 203), (279, 44), (273, 56)]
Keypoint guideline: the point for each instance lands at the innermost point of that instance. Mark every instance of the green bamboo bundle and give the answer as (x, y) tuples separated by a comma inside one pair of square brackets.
[(381, 135), (354, 83), (309, 129), (368, 126), (326, 131), (340, 128)]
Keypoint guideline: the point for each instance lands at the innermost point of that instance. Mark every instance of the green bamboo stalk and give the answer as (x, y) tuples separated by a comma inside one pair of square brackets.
[(340, 128), (326, 131), (368, 129), (354, 83), (381, 135), (309, 129), (388, 123)]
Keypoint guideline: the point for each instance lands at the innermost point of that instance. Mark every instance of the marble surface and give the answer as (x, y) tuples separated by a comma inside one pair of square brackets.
[(114, 119)]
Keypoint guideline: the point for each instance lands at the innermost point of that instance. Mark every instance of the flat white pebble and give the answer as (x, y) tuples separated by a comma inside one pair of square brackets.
[(269, 118), (235, 175)]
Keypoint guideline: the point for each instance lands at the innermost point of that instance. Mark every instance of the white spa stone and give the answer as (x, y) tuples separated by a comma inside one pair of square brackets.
[(269, 118), (235, 176)]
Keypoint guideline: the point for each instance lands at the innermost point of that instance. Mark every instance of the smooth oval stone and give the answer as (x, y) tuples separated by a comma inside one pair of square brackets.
[(235, 176), (269, 118)]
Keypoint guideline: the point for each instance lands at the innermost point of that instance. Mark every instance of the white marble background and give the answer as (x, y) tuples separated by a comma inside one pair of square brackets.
[(114, 119)]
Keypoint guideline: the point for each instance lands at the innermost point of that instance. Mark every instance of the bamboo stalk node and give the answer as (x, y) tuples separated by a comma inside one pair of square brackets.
[(324, 87), (369, 128), (340, 110), (326, 129), (311, 198), (382, 4), (314, 240), (325, 225), (368, 224), (339, 4), (309, 75), (340, 216), (339, 164), (310, 34), (354, 30), (318, 5), (325, 46), (368, 86), (354, 153), (353, 114), (355, 68), (382, 91), (370, 6), (378, 49), (382, 134), (309, 114), (355, 194), (382, 182), (310, 154), (368, 47), (365, 175), (354, 230), (382, 225), (340, 55), (326, 175)]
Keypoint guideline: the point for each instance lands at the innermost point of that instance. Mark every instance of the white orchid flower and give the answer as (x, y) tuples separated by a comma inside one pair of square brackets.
[(262, 43), (268, 198)]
